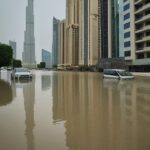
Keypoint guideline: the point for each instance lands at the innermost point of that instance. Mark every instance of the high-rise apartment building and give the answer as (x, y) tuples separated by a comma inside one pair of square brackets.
[(103, 28), (136, 32), (88, 32), (62, 54), (121, 29), (81, 31), (14, 46), (93, 17), (29, 40), (114, 28), (142, 32), (108, 28), (55, 46), (127, 37), (85, 31), (72, 32)]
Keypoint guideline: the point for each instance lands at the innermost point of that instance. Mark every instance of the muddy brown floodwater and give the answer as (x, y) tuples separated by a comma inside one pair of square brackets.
[(74, 111)]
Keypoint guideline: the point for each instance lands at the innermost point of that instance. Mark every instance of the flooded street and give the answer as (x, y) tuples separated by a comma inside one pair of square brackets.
[(74, 111)]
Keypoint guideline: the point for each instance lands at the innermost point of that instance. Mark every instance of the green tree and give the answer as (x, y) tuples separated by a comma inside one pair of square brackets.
[(17, 63), (5, 55), (54, 66), (42, 64), (38, 66)]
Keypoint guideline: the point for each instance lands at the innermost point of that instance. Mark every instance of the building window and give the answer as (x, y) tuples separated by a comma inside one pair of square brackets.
[(127, 25), (127, 44), (148, 44), (140, 56), (148, 55), (147, 33), (139, 46), (127, 16), (126, 7), (139, 36), (127, 35), (147, 23), (127, 53)]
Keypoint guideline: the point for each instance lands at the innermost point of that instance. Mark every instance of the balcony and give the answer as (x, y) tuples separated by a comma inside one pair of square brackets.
[(143, 29), (143, 8), (138, 2), (142, 19), (143, 39), (143, 49)]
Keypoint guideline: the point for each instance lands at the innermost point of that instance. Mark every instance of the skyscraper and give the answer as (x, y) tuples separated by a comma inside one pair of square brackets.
[(13, 45), (103, 28), (83, 31), (114, 22), (136, 33), (109, 28), (46, 57), (93, 18), (29, 40), (72, 31), (56, 23), (88, 32), (62, 43)]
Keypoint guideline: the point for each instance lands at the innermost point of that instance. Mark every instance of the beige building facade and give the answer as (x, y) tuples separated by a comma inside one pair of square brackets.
[(62, 43), (72, 32), (88, 32), (81, 32), (93, 48)]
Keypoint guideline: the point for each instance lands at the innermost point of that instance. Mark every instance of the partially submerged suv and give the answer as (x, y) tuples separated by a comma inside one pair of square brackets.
[(21, 73), (117, 74)]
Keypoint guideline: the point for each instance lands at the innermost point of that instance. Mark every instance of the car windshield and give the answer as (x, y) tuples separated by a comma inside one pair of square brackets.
[(21, 70), (124, 73)]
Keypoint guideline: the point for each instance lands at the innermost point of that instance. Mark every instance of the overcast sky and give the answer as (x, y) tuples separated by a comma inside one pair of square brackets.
[(12, 22)]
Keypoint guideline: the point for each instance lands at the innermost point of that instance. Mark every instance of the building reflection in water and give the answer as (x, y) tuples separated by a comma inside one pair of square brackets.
[(102, 114), (46, 82), (29, 101)]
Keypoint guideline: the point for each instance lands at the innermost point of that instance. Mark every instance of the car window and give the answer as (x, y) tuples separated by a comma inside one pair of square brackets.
[(21, 70), (125, 73)]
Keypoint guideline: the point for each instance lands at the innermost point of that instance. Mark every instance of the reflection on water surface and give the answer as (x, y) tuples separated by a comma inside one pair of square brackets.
[(72, 111)]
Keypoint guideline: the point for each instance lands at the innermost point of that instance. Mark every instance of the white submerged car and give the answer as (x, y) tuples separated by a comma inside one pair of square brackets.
[(117, 74), (21, 73)]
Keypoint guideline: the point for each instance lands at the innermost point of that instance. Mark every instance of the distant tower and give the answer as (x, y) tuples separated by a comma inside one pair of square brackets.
[(29, 40), (46, 57), (13, 44)]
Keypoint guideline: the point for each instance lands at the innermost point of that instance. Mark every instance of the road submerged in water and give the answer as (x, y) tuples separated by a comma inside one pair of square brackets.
[(74, 111)]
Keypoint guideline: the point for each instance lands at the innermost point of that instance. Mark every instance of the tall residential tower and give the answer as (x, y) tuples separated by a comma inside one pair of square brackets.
[(136, 33), (29, 40), (72, 32)]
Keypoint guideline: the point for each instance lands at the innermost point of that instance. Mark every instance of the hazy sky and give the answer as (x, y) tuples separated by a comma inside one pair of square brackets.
[(12, 22)]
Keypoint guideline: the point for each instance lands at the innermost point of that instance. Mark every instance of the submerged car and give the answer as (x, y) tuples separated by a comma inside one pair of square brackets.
[(21, 73), (117, 74)]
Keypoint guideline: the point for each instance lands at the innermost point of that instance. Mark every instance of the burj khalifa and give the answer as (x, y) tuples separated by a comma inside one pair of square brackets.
[(28, 54)]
